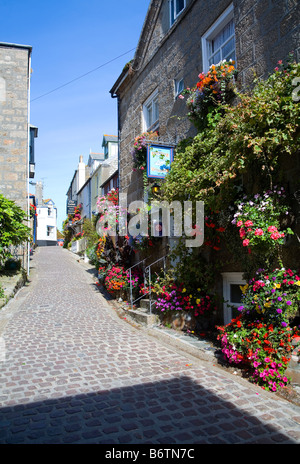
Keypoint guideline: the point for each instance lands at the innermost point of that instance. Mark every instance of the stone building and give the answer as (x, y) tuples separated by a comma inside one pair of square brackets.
[(180, 39), (16, 133)]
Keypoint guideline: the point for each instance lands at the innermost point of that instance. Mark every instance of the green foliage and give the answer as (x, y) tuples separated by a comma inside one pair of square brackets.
[(243, 149), (90, 233), (13, 230), (254, 136), (2, 294)]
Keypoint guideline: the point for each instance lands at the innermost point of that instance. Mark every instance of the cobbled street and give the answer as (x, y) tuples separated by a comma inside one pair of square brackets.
[(72, 371)]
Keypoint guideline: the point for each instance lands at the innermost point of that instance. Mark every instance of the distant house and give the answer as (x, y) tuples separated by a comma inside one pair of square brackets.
[(88, 179), (46, 224)]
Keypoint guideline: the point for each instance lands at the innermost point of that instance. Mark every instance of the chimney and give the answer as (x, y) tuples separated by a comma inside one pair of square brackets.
[(81, 172)]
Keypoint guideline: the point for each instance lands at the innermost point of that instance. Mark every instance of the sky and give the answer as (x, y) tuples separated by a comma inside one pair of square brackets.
[(70, 38)]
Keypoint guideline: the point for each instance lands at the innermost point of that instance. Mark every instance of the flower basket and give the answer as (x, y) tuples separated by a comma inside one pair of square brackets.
[(214, 89)]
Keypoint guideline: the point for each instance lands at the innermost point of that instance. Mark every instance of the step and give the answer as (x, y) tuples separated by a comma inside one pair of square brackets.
[(144, 303), (142, 317)]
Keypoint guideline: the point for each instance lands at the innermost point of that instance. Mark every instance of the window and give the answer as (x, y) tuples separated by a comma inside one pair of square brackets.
[(176, 7), (179, 86), (50, 231), (219, 41), (150, 112), (232, 294)]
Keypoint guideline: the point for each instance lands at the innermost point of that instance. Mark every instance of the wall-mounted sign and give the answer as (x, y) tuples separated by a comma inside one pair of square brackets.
[(159, 159), (71, 205)]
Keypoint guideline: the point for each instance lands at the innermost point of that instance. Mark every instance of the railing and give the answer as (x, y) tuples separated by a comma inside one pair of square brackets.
[(78, 245), (148, 270), (130, 280)]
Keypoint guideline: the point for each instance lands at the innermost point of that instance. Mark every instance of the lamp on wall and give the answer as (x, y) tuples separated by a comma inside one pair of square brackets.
[(155, 188)]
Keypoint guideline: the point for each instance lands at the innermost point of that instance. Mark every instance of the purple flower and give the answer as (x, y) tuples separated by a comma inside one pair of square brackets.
[(279, 310), (284, 324), (279, 298), (289, 302)]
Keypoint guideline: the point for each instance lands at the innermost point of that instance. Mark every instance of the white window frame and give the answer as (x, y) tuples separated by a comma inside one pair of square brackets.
[(212, 32), (173, 17), (151, 101), (230, 278), (177, 86)]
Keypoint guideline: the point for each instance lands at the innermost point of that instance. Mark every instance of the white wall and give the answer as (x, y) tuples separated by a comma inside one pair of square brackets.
[(46, 222)]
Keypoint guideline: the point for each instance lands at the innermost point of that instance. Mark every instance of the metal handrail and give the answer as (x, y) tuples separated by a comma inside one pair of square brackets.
[(145, 271), (148, 269), (130, 280)]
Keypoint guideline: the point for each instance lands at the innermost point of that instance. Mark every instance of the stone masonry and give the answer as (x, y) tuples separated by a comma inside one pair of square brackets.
[(14, 86), (265, 32)]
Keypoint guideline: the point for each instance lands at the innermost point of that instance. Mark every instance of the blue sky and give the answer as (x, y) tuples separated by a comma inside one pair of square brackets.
[(70, 38)]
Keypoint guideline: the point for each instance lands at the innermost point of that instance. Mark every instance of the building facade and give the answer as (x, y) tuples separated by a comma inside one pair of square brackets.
[(46, 224), (179, 40), (16, 135)]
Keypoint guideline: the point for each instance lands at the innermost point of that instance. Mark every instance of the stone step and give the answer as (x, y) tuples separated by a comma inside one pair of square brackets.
[(143, 317), (144, 303)]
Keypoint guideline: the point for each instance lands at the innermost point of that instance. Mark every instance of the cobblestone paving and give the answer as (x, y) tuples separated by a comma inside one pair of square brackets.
[(73, 372)]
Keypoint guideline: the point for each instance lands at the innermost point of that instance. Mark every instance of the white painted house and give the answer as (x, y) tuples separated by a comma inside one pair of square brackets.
[(46, 224)]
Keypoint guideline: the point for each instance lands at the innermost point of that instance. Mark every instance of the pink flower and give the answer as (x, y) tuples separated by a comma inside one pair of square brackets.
[(242, 233), (275, 236), (272, 229), (248, 223), (245, 242), (239, 223), (258, 232)]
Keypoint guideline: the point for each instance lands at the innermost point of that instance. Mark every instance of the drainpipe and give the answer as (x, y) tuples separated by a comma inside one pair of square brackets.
[(119, 137), (28, 153)]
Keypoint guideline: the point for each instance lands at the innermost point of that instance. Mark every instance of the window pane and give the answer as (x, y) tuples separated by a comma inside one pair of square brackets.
[(179, 6), (172, 11), (235, 293), (216, 58), (149, 111), (228, 48), (222, 46), (155, 111)]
